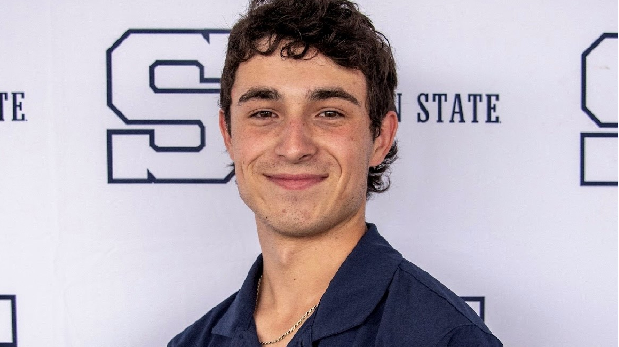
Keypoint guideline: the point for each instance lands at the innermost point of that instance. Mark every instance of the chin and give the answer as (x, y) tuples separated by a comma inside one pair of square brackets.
[(296, 226)]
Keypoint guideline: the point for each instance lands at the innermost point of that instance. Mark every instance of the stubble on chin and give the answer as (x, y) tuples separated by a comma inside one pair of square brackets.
[(289, 216), (295, 218)]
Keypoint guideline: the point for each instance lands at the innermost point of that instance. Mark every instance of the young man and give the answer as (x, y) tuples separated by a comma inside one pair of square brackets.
[(307, 116)]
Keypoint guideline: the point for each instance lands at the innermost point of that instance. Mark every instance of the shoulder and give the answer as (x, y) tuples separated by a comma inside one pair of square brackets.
[(410, 277), (200, 332), (430, 311)]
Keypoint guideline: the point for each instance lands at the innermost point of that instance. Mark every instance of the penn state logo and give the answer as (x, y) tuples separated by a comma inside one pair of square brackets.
[(8, 321), (477, 303), (598, 150), (163, 86)]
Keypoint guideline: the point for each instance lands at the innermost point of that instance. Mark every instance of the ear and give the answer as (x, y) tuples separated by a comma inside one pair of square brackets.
[(223, 128), (382, 144)]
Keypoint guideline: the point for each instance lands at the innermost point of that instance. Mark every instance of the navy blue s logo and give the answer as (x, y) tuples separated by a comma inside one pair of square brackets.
[(477, 303), (163, 84), (8, 321), (598, 150)]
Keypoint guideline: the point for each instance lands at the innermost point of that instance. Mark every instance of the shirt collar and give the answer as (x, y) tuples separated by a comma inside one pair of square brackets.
[(352, 295), (358, 286), (238, 317)]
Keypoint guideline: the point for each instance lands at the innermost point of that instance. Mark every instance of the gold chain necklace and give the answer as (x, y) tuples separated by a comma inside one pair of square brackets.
[(294, 327)]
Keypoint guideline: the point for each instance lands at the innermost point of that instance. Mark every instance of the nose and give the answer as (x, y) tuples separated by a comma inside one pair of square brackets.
[(296, 143)]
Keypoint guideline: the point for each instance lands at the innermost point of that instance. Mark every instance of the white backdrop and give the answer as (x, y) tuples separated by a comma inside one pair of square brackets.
[(493, 209)]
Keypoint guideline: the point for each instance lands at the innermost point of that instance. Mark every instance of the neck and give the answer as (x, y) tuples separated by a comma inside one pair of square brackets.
[(302, 267), (298, 270)]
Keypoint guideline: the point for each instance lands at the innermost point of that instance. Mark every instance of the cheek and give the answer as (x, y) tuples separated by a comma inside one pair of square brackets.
[(247, 151), (353, 154), (241, 144)]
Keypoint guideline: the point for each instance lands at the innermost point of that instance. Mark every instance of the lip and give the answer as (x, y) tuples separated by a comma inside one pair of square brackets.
[(296, 182)]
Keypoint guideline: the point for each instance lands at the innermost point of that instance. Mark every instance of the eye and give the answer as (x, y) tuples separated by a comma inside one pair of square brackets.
[(330, 114), (262, 114)]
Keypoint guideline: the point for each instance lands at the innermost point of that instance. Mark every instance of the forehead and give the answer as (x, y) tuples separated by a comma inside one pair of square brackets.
[(295, 76)]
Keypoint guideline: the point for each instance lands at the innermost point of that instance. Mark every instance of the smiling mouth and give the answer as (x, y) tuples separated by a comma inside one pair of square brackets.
[(296, 182)]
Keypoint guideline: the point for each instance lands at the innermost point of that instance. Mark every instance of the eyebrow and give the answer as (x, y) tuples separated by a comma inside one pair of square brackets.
[(314, 95), (329, 93), (259, 93)]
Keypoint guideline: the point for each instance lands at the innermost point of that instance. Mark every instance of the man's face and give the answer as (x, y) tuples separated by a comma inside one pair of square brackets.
[(301, 143)]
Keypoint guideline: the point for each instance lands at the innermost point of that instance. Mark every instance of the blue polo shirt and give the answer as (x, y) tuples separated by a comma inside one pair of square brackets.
[(376, 298)]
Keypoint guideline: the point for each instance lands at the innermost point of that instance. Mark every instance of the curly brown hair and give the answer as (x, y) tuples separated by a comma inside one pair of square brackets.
[(333, 28)]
